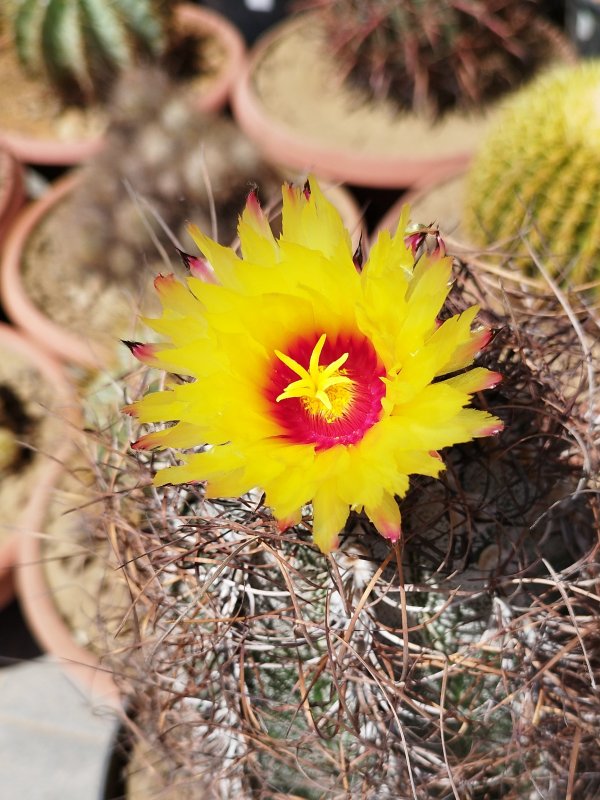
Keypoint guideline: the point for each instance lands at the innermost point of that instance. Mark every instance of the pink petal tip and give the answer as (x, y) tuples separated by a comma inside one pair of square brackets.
[(253, 203), (491, 430), (390, 532), (198, 267), (143, 352), (284, 524), (161, 282), (493, 379)]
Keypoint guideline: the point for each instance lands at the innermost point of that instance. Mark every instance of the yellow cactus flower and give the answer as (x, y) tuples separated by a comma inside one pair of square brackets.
[(312, 379)]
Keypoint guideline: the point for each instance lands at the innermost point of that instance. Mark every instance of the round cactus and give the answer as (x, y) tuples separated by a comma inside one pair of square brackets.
[(534, 187), (260, 668), (435, 56), (82, 44)]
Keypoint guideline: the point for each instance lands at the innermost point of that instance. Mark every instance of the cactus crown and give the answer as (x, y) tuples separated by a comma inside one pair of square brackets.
[(534, 185), (434, 55), (80, 45)]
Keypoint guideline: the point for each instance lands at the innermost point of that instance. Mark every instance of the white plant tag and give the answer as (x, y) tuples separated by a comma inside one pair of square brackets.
[(259, 5)]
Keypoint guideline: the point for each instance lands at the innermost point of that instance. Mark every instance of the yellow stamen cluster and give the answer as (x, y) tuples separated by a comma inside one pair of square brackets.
[(323, 390)]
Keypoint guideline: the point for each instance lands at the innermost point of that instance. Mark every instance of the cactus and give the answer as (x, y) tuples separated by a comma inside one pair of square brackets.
[(81, 45), (262, 669), (173, 159), (534, 186), (434, 55)]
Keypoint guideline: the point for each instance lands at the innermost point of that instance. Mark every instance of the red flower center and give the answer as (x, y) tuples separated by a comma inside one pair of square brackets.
[(327, 390)]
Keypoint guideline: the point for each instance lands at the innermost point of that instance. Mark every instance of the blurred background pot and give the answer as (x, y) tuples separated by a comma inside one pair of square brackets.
[(38, 412), (51, 594), (298, 101), (12, 193), (51, 131)]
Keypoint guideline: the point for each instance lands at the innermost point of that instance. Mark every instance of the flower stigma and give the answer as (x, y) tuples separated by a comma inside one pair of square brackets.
[(324, 390)]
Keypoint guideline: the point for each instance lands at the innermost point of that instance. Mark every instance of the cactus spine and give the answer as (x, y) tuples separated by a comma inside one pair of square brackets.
[(436, 55), (82, 44), (535, 184)]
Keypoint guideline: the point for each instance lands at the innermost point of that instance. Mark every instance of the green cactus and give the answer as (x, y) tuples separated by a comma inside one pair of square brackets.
[(435, 55), (534, 187), (80, 45)]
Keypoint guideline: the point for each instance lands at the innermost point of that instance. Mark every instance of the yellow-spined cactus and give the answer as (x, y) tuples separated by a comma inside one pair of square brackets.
[(534, 187)]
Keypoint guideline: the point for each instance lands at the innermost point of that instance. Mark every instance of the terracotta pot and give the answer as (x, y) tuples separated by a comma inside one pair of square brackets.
[(189, 18), (424, 156), (19, 307), (12, 192), (13, 343), (75, 348), (286, 146), (37, 601), (194, 19)]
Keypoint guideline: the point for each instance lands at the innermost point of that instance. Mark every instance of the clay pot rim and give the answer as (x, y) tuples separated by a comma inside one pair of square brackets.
[(32, 150), (205, 19), (51, 370), (389, 220), (24, 546), (52, 337), (12, 191), (35, 597)]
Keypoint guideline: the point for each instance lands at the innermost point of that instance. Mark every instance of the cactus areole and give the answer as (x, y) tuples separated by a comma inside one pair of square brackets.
[(314, 377)]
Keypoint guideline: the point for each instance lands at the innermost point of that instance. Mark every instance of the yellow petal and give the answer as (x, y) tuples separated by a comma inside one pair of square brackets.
[(386, 517), (222, 259), (313, 222), (181, 436), (157, 407), (257, 242), (329, 517)]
